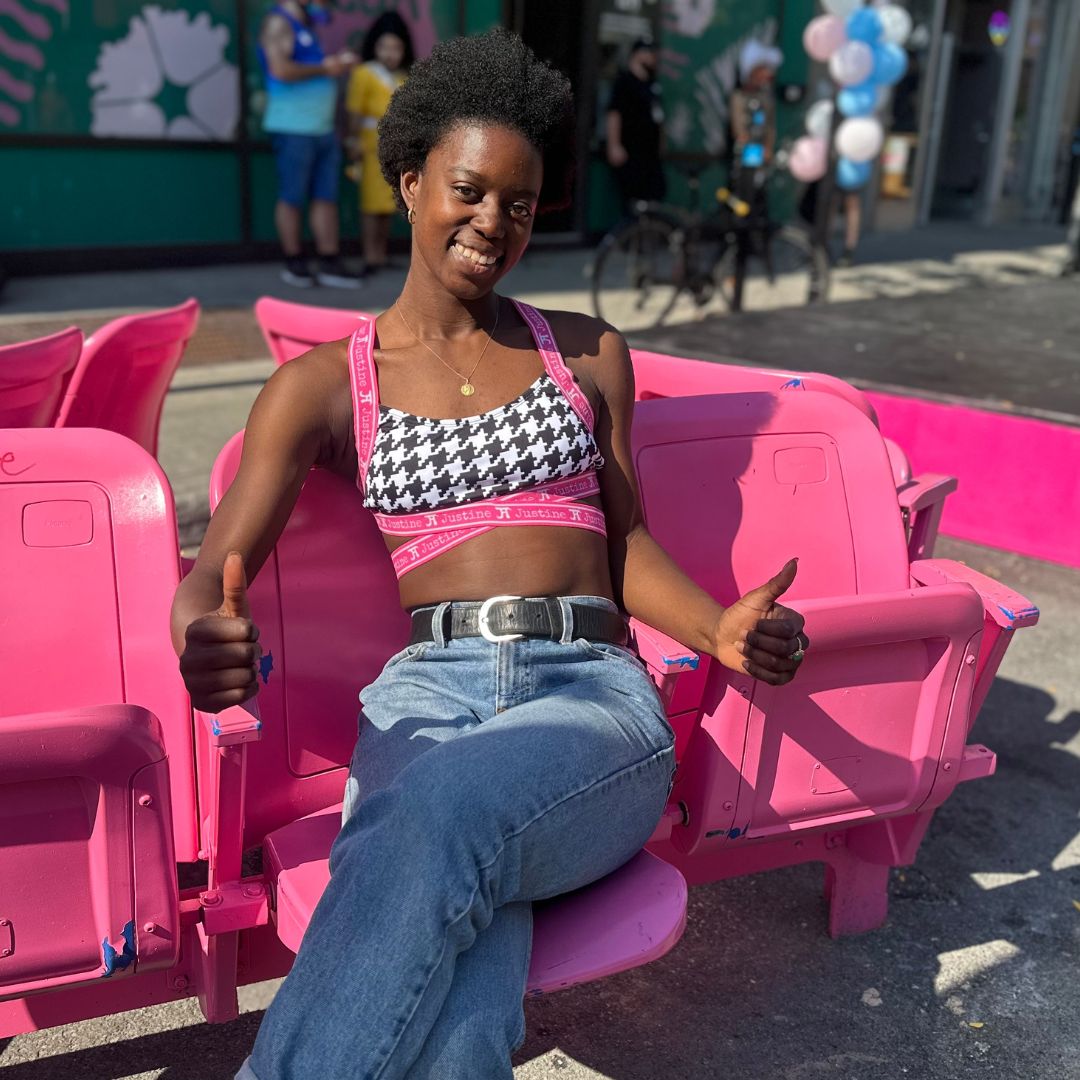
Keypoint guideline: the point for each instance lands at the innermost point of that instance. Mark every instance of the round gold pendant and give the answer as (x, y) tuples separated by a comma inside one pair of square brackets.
[(468, 389)]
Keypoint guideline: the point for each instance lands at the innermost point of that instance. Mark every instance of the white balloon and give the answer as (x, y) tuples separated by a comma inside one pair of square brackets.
[(860, 138), (852, 63), (843, 8), (895, 23), (819, 119)]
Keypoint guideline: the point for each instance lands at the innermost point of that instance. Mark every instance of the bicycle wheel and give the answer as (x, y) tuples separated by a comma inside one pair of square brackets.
[(638, 273), (783, 268)]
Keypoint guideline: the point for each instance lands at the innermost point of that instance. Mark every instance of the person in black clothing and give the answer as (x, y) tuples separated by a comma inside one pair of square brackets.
[(635, 120)]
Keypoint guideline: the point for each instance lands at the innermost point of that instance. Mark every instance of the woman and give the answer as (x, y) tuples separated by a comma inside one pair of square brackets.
[(388, 55), (487, 775)]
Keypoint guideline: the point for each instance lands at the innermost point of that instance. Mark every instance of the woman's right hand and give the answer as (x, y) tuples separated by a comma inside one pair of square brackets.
[(220, 661)]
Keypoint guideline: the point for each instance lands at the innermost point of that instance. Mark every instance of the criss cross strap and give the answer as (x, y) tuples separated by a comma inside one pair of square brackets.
[(439, 531)]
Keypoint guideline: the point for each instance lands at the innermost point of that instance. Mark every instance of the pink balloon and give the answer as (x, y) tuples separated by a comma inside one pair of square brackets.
[(823, 36), (809, 159)]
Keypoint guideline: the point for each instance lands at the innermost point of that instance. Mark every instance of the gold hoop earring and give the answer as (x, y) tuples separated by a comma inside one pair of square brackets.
[(411, 215)]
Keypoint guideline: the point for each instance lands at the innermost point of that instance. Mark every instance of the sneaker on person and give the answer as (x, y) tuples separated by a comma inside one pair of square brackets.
[(298, 273), (333, 273)]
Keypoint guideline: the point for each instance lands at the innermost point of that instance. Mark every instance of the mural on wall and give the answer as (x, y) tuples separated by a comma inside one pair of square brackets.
[(167, 78), (30, 20), (119, 68), (699, 65)]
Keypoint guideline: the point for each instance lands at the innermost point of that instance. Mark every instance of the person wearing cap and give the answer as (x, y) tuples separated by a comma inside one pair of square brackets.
[(753, 106), (635, 118)]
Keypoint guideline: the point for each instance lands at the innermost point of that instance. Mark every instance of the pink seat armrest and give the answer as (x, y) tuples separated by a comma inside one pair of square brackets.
[(1003, 612), (924, 491), (237, 724), (1008, 609), (665, 657), (922, 501)]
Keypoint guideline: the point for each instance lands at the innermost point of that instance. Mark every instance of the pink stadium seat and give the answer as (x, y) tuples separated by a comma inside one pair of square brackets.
[(33, 375), (124, 373), (291, 329), (93, 715), (296, 770), (921, 499)]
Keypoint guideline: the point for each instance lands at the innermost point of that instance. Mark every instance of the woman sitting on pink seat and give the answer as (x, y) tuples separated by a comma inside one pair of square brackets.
[(516, 749)]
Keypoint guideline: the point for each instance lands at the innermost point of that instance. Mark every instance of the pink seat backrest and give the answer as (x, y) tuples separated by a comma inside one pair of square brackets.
[(657, 376), (733, 485), (330, 582), (292, 329), (124, 373), (88, 547), (33, 375)]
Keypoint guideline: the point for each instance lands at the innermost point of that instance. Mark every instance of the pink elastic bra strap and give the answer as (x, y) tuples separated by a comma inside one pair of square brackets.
[(365, 393), (554, 364), (440, 530)]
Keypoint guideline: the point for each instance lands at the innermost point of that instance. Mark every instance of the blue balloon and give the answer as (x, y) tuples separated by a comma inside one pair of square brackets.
[(858, 100), (852, 174), (890, 63), (864, 25), (753, 155)]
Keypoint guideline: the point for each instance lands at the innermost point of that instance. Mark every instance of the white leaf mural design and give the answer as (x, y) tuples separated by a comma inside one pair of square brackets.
[(165, 48)]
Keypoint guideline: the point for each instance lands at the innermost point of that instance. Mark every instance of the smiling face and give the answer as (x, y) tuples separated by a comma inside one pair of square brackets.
[(474, 203), (390, 51)]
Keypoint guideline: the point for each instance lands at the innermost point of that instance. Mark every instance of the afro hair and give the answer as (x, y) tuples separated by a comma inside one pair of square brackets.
[(494, 78)]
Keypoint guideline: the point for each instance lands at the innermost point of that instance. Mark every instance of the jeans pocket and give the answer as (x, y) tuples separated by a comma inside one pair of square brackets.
[(604, 650), (407, 655)]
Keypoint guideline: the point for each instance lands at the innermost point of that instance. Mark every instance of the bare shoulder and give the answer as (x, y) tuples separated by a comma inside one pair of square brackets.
[(276, 30), (593, 348), (309, 399)]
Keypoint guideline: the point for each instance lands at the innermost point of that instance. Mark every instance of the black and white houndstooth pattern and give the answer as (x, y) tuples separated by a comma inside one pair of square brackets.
[(420, 464)]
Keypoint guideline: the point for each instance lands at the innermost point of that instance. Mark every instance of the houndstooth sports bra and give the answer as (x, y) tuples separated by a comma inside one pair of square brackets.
[(442, 482)]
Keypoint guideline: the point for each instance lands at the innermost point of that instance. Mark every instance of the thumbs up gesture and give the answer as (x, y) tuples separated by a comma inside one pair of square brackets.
[(220, 661), (761, 637)]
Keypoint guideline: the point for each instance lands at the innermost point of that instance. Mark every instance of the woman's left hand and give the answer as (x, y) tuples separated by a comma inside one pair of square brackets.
[(758, 636)]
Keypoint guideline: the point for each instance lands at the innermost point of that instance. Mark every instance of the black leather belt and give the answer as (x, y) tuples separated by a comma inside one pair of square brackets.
[(507, 618)]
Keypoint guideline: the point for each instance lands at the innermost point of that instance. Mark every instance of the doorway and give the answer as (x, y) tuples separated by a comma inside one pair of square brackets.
[(972, 89), (558, 33)]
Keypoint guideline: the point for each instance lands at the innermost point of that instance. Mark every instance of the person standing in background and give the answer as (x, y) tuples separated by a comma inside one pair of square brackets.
[(753, 121), (301, 90), (635, 119), (387, 54), (753, 105)]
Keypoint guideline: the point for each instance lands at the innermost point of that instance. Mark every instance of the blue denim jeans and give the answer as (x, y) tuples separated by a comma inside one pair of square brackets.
[(485, 777)]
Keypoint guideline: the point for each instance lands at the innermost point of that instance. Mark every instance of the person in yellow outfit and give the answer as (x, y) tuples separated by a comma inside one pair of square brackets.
[(387, 53)]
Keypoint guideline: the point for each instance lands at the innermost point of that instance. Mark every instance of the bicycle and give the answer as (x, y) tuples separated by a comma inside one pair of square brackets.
[(647, 264)]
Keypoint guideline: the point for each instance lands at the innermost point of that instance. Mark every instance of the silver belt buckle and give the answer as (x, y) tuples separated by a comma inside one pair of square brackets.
[(485, 628)]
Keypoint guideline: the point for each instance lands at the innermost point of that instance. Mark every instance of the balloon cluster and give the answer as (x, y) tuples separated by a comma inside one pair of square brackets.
[(863, 47)]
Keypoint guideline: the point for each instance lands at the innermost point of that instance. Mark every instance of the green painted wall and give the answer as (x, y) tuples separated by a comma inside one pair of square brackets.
[(171, 71), (59, 198)]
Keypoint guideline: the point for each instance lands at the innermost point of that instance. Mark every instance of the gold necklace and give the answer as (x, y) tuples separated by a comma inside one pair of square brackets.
[(467, 388)]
